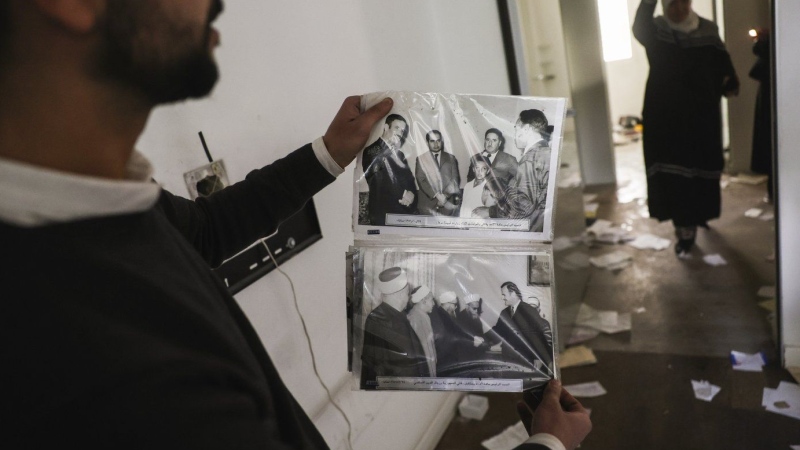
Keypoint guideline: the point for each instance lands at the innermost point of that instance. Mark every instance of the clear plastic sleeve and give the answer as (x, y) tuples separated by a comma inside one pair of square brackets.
[(460, 166), (480, 319)]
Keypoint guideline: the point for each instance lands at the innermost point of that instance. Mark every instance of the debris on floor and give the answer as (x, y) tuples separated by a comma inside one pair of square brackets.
[(615, 260), (473, 406), (508, 439), (609, 322), (744, 178), (766, 292), (753, 212), (575, 261), (784, 400), (650, 242), (580, 355), (586, 390), (582, 334), (703, 390), (715, 260), (563, 243), (748, 362), (602, 231), (769, 305)]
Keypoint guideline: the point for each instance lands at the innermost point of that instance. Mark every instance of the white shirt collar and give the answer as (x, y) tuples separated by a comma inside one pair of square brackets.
[(34, 196)]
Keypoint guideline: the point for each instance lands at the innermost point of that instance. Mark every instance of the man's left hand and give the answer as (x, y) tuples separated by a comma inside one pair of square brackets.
[(348, 132)]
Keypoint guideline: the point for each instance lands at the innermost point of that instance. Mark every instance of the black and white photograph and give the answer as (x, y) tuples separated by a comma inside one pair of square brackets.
[(455, 165), (539, 271), (451, 321)]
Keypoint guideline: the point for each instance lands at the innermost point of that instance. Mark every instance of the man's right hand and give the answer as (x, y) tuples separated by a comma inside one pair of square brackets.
[(408, 198), (349, 130), (558, 414)]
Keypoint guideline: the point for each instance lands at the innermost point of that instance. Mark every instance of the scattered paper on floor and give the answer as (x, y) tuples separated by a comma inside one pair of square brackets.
[(562, 243), (766, 217), (747, 362), (574, 261), (766, 291), (580, 355), (639, 310), (703, 390), (749, 179), (582, 334), (769, 305), (573, 180), (753, 212), (784, 400), (592, 389), (612, 261), (649, 242), (508, 439), (715, 260), (606, 321)]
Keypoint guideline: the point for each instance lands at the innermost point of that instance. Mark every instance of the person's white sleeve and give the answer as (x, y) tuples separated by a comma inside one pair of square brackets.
[(325, 158), (546, 439)]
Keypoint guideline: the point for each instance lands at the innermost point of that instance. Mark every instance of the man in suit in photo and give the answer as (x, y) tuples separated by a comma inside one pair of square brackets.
[(520, 332), (392, 189), (504, 166), (438, 178), (526, 195)]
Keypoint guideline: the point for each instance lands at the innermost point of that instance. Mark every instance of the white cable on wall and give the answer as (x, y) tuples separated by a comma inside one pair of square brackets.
[(308, 341)]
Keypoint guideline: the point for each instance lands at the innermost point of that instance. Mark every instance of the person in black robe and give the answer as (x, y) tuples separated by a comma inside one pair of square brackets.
[(690, 71), (761, 159)]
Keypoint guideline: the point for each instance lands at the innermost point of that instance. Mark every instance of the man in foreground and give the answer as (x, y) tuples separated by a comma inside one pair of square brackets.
[(123, 338)]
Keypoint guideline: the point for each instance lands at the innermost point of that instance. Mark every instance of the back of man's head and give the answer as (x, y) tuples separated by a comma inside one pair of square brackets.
[(534, 118)]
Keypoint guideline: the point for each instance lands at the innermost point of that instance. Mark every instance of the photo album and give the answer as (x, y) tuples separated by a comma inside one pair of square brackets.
[(450, 283)]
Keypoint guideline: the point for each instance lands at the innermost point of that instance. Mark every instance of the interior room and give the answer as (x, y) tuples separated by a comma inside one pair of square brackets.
[(273, 98)]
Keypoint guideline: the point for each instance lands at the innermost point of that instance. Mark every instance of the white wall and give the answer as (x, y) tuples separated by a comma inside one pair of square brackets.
[(787, 86), (286, 67)]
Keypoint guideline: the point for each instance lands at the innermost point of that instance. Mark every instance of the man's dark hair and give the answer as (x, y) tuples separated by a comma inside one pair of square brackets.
[(500, 136), (536, 119), (391, 118), (513, 288), (436, 132)]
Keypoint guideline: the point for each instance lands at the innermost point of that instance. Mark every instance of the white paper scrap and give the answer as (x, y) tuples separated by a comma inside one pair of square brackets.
[(703, 390), (766, 291), (611, 260), (650, 242), (592, 389), (753, 212), (582, 334), (784, 400), (606, 321), (574, 261), (639, 310), (562, 243), (589, 198), (508, 438), (723, 183), (599, 226), (766, 217), (715, 260), (748, 362)]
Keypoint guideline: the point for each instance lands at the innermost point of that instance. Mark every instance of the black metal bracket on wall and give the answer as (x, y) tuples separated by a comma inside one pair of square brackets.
[(294, 235)]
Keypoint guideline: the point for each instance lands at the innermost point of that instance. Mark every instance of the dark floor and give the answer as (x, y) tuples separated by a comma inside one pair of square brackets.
[(695, 314)]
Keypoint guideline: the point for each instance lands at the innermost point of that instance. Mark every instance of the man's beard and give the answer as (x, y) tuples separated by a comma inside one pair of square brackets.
[(165, 61)]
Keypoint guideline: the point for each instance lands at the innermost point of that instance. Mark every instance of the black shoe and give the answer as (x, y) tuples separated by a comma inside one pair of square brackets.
[(683, 247)]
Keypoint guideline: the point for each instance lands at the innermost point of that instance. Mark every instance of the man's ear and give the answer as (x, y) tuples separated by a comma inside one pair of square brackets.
[(79, 16)]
